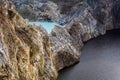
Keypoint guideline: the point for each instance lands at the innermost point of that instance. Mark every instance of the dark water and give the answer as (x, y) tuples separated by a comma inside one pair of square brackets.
[(100, 60)]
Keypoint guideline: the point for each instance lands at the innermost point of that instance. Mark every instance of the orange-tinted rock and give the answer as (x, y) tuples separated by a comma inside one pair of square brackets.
[(25, 50)]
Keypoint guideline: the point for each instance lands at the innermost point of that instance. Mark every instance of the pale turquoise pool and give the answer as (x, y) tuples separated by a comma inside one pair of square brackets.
[(47, 25)]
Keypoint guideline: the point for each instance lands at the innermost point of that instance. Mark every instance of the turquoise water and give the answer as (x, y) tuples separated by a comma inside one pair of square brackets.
[(47, 25)]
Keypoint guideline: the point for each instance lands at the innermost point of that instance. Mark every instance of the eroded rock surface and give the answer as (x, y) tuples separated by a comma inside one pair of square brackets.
[(25, 50), (95, 17), (65, 48), (86, 20), (83, 20), (38, 10)]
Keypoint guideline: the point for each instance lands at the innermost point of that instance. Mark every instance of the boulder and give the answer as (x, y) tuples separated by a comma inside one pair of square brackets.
[(65, 48)]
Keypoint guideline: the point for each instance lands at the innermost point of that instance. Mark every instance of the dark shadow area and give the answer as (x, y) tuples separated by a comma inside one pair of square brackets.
[(116, 13), (100, 60)]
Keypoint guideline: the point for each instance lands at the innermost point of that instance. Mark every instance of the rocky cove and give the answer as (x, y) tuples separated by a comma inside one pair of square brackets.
[(29, 53), (99, 60)]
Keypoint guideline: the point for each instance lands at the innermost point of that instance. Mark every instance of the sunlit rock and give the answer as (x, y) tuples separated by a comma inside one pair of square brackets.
[(25, 50)]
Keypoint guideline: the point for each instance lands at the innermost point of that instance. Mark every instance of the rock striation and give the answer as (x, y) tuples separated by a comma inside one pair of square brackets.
[(86, 20), (25, 50), (38, 10), (28, 53), (66, 49)]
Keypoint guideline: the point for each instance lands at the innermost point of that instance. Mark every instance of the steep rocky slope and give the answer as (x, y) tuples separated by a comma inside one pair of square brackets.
[(38, 10), (84, 19), (87, 19), (66, 48), (25, 50)]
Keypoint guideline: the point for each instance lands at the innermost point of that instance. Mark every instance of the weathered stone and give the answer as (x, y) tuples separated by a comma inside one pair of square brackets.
[(87, 19), (38, 10), (25, 50), (92, 21), (83, 20), (65, 48)]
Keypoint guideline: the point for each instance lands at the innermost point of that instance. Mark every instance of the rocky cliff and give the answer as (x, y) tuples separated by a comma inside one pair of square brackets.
[(25, 50), (86, 20), (38, 10), (66, 10)]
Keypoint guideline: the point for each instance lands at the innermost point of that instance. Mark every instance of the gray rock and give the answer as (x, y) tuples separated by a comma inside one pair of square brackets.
[(87, 19), (64, 47), (38, 10), (83, 20), (94, 21)]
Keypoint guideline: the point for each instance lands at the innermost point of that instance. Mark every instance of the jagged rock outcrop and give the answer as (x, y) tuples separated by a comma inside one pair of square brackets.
[(38, 10), (66, 49), (65, 6), (83, 20), (25, 50), (97, 10), (88, 19), (94, 17)]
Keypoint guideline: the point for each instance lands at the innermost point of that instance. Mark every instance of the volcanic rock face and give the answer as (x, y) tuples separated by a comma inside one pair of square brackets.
[(86, 20), (99, 12), (83, 20), (65, 6), (94, 17), (38, 10), (65, 48), (25, 50)]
